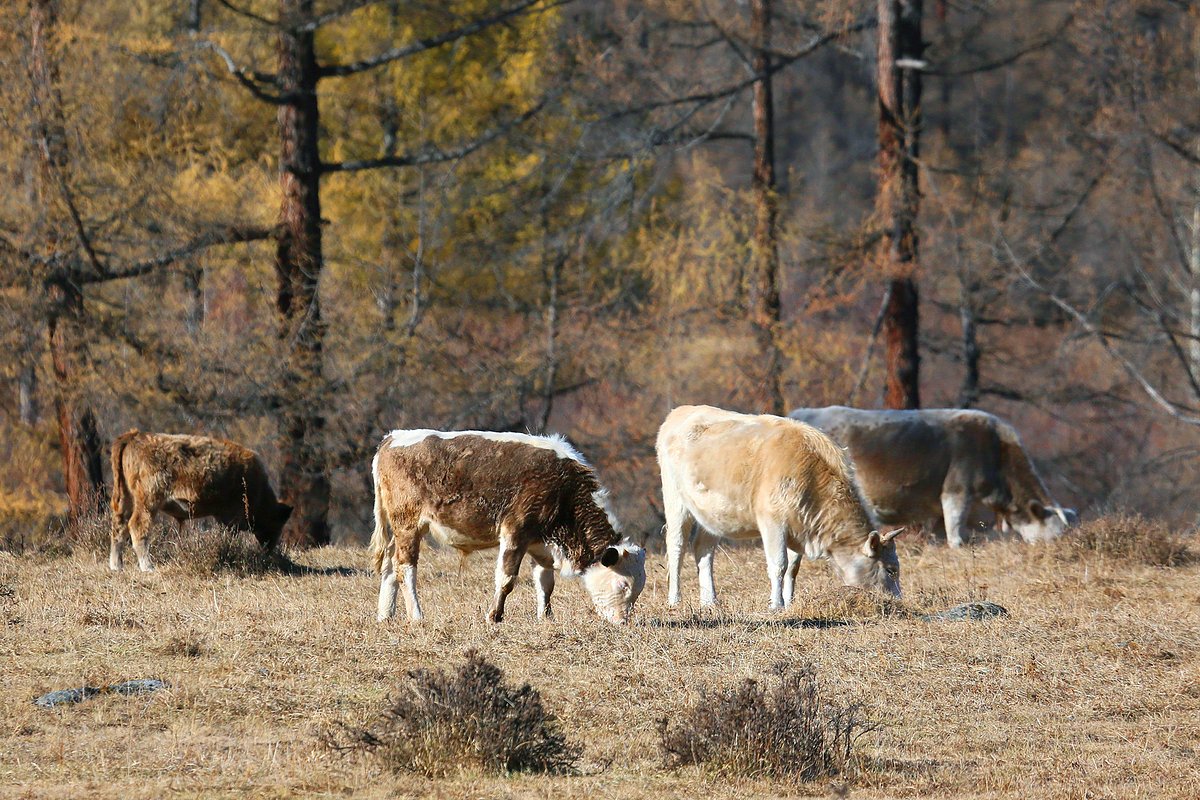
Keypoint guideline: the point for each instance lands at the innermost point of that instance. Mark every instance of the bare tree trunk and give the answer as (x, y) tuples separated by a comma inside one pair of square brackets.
[(298, 263), (79, 439), (195, 308), (27, 394), (968, 395), (1194, 294), (900, 51), (765, 302)]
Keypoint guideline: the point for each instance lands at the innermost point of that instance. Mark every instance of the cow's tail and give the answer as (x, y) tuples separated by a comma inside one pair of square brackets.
[(120, 490), (379, 538)]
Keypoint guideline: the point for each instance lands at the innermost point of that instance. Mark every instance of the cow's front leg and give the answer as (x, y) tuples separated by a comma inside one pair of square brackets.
[(789, 577), (774, 538), (704, 546), (954, 512), (508, 563), (543, 580)]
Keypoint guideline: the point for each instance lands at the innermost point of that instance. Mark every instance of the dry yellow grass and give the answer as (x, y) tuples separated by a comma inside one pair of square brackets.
[(1090, 689)]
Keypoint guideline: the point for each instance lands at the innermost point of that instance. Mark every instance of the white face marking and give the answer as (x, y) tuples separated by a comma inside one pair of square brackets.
[(615, 589)]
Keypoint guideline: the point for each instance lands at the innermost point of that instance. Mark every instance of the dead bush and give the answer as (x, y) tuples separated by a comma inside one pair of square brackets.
[(442, 723), (788, 730), (1131, 537), (221, 549)]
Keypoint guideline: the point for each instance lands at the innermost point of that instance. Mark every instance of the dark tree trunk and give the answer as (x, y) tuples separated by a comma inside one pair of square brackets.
[(764, 299), (900, 48), (27, 394), (304, 478), (194, 309), (79, 439)]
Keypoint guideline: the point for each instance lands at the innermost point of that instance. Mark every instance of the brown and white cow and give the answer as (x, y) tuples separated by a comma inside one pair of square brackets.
[(938, 463), (188, 477), (739, 476), (474, 490)]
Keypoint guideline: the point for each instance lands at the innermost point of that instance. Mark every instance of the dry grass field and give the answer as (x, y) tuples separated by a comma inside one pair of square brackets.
[(1091, 689)]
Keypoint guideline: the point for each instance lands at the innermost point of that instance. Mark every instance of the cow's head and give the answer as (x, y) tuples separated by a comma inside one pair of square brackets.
[(268, 525), (872, 566), (1037, 522), (616, 580)]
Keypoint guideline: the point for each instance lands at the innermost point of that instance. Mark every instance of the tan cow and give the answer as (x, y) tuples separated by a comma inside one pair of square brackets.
[(937, 463), (187, 477), (475, 490), (739, 476)]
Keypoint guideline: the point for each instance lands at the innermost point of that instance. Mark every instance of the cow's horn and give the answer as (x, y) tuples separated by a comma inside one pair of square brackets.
[(1061, 514), (887, 537)]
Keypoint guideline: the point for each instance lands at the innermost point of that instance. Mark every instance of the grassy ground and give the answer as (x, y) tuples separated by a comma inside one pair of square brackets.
[(1090, 689)]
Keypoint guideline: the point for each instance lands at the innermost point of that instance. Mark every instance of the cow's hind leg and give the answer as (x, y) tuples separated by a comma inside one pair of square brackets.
[(954, 512), (774, 539), (678, 523), (543, 579), (117, 537), (703, 547), (508, 563), (140, 523), (789, 577)]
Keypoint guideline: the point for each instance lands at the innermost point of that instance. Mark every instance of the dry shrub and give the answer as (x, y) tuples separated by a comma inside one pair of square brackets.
[(847, 604), (1130, 537), (442, 724), (749, 731), (221, 549)]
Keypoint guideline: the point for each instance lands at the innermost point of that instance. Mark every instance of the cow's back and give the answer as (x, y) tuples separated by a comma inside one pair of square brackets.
[(731, 468), (464, 486), (905, 459), (210, 476)]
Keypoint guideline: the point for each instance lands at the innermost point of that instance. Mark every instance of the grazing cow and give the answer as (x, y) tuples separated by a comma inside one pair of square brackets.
[(938, 463), (739, 476), (187, 477), (474, 490)]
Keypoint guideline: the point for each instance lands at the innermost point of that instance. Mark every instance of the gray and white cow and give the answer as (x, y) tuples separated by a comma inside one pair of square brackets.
[(940, 463)]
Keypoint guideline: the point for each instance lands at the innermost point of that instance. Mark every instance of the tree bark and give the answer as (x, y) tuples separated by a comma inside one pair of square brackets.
[(79, 439), (898, 203), (765, 302), (304, 475)]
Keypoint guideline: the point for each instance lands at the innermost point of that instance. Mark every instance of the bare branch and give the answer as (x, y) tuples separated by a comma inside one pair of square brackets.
[(431, 42), (434, 155), (1173, 410), (233, 235), (249, 80)]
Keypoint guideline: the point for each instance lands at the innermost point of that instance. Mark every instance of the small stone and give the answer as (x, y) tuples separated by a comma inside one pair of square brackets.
[(71, 696), (976, 611)]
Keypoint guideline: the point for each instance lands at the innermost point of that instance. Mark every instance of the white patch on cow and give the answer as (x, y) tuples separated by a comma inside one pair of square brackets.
[(556, 442)]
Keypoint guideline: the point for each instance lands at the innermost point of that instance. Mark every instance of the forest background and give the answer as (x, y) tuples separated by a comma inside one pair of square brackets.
[(300, 224)]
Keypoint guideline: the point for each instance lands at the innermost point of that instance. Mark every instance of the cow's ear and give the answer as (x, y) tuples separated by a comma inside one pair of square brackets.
[(872, 545), (610, 556), (285, 511), (1037, 510)]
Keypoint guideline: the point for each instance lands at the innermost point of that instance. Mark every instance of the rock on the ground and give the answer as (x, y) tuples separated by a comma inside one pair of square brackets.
[(976, 611), (69, 696)]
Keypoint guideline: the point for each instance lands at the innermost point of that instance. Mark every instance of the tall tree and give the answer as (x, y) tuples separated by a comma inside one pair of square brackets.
[(898, 201), (298, 264), (79, 438), (765, 302)]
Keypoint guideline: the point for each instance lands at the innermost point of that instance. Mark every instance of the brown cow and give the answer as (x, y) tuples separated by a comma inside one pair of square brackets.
[(187, 477), (474, 490)]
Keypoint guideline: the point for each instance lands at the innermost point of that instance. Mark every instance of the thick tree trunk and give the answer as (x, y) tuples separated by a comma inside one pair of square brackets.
[(79, 439), (900, 50), (304, 477), (764, 299)]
